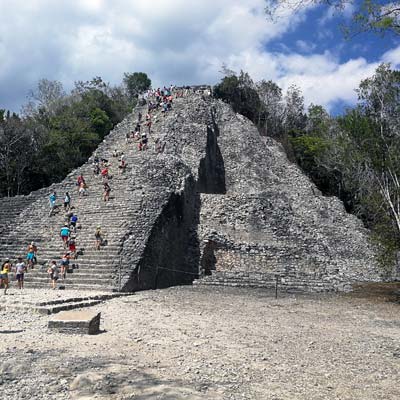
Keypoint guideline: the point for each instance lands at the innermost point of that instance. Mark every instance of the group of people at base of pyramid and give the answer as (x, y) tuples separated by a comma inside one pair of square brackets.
[(19, 269)]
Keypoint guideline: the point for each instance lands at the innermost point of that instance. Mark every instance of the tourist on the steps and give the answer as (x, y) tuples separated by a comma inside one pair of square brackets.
[(148, 124), (82, 189), (106, 191), (143, 142), (72, 248), (53, 274), (99, 237), (122, 165), (65, 233), (117, 153), (64, 265), (104, 173), (80, 180), (136, 136), (20, 269), (5, 270), (67, 201), (52, 200), (31, 256), (96, 169), (73, 220), (139, 117)]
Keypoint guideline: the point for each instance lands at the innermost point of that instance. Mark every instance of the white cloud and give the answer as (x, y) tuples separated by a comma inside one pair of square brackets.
[(174, 41), (392, 57), (305, 47), (328, 85)]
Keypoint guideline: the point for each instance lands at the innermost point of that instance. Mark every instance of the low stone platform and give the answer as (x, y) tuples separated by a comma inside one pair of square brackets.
[(76, 322), (46, 301)]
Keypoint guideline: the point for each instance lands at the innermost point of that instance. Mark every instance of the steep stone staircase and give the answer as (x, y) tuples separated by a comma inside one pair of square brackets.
[(26, 218)]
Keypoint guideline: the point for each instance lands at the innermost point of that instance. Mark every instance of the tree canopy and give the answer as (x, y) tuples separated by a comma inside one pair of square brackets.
[(376, 16), (57, 131), (136, 84)]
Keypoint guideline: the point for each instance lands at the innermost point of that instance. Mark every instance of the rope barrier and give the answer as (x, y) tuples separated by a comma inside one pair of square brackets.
[(175, 270)]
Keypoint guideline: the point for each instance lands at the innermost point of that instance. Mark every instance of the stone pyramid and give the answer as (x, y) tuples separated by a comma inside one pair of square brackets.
[(220, 205)]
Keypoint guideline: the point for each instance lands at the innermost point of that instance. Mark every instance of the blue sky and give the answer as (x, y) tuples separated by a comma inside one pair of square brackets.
[(182, 42)]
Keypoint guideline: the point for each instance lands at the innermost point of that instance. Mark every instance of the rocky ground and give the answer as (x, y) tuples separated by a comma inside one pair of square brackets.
[(208, 343)]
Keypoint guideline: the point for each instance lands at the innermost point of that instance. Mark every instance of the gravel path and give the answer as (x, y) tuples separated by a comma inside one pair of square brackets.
[(209, 343)]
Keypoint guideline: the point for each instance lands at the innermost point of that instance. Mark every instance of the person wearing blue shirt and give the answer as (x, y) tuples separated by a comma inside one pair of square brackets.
[(52, 200), (64, 233), (72, 221)]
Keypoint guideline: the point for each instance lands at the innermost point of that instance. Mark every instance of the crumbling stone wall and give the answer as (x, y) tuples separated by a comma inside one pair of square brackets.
[(273, 220), (169, 253)]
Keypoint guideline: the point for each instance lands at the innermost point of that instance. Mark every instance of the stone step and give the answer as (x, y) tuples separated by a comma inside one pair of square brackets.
[(55, 306), (75, 285), (287, 285)]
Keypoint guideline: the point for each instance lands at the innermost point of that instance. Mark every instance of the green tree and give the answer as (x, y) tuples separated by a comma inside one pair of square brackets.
[(47, 98), (380, 98), (241, 93), (294, 118), (17, 146), (315, 148), (136, 83), (271, 96)]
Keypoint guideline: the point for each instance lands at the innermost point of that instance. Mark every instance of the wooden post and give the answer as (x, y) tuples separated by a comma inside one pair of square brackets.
[(119, 273)]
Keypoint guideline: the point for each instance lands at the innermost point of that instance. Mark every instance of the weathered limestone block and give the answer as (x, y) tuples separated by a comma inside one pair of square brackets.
[(76, 322)]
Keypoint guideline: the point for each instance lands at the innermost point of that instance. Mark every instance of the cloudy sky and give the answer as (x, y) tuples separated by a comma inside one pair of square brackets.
[(182, 42)]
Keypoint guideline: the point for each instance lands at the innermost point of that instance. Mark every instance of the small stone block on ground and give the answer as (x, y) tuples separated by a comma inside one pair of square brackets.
[(76, 322)]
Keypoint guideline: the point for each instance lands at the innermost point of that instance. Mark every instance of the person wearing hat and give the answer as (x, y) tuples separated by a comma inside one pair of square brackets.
[(5, 269), (20, 270)]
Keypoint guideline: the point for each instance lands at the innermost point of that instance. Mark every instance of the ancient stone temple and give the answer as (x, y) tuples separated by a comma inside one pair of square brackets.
[(220, 205)]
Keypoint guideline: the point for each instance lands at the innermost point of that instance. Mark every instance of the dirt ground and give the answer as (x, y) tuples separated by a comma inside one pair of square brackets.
[(210, 343)]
